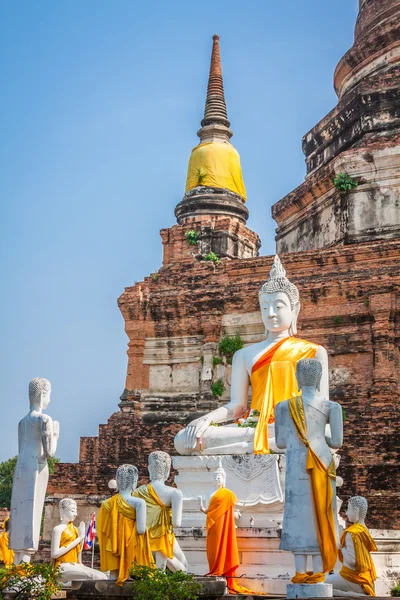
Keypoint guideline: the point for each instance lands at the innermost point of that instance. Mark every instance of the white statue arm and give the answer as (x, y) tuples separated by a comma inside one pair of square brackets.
[(56, 551), (235, 409), (140, 506), (349, 553), (335, 440), (280, 429), (322, 356), (201, 505), (177, 506), (50, 431)]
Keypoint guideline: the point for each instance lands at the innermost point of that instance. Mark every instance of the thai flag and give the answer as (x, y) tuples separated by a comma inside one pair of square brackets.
[(90, 534)]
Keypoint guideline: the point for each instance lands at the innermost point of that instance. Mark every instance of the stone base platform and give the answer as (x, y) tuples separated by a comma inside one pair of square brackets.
[(266, 569)]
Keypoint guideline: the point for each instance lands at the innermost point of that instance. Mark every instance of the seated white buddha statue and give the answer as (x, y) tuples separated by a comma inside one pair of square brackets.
[(66, 545), (357, 575), (269, 367)]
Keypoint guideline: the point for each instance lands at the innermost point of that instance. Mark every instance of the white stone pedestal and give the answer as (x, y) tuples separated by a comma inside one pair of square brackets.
[(256, 480), (307, 590)]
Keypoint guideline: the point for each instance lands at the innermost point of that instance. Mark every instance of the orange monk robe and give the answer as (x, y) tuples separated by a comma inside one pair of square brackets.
[(120, 544), (273, 379), (222, 548), (6, 554), (69, 534), (364, 573)]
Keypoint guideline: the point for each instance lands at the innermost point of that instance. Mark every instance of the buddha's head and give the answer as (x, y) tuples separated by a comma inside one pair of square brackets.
[(357, 509), (126, 478), (159, 465), (39, 393), (68, 510), (219, 477), (279, 301), (308, 373)]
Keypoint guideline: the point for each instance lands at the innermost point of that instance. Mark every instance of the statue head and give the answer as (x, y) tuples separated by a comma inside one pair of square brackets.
[(279, 301), (68, 510), (159, 465), (357, 509), (127, 477), (39, 393), (308, 373), (219, 475)]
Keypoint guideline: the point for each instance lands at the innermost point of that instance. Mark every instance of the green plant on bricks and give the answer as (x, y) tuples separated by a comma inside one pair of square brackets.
[(217, 388), (192, 237), (211, 256), (344, 183), (229, 345)]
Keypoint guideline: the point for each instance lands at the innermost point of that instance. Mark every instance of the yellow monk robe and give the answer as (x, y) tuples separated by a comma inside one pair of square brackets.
[(120, 544), (222, 548), (158, 521), (322, 495), (6, 554), (69, 534), (273, 379), (216, 164), (364, 573)]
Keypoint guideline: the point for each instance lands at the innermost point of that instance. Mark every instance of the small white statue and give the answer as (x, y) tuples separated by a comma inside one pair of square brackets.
[(164, 512), (310, 517), (66, 545), (357, 575), (270, 368), (37, 441)]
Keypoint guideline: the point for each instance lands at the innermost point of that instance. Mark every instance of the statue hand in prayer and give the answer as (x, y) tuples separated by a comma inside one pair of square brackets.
[(81, 531)]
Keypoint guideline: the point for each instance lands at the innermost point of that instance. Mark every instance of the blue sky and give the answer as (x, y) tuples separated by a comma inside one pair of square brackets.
[(99, 109)]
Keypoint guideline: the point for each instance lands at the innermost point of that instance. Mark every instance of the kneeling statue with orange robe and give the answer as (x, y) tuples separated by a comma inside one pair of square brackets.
[(357, 576), (222, 547), (121, 528)]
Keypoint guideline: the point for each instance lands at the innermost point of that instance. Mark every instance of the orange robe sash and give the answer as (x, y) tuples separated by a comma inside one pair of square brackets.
[(69, 534), (222, 548), (120, 544), (273, 379), (158, 521), (364, 573), (321, 488)]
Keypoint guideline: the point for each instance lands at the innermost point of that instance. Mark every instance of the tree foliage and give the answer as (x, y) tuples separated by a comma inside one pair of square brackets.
[(159, 584), (29, 580)]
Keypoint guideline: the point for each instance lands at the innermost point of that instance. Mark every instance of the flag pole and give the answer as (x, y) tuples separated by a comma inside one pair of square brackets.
[(94, 540)]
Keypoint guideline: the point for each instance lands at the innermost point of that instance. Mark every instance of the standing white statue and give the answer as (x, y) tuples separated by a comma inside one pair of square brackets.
[(270, 368), (310, 517), (37, 441), (66, 545), (357, 576), (164, 512)]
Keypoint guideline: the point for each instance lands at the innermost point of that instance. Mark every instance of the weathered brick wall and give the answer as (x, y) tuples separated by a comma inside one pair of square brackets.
[(350, 304)]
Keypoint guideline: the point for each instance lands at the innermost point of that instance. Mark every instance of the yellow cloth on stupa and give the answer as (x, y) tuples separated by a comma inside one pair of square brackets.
[(216, 164), (273, 379), (364, 573), (322, 493), (69, 534), (120, 544), (158, 521)]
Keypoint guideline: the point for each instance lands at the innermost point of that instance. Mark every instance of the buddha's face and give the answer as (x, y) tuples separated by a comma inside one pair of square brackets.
[(69, 512), (219, 480), (352, 513), (276, 312)]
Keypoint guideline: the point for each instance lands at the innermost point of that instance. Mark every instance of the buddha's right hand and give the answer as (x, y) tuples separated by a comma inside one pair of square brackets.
[(195, 430)]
